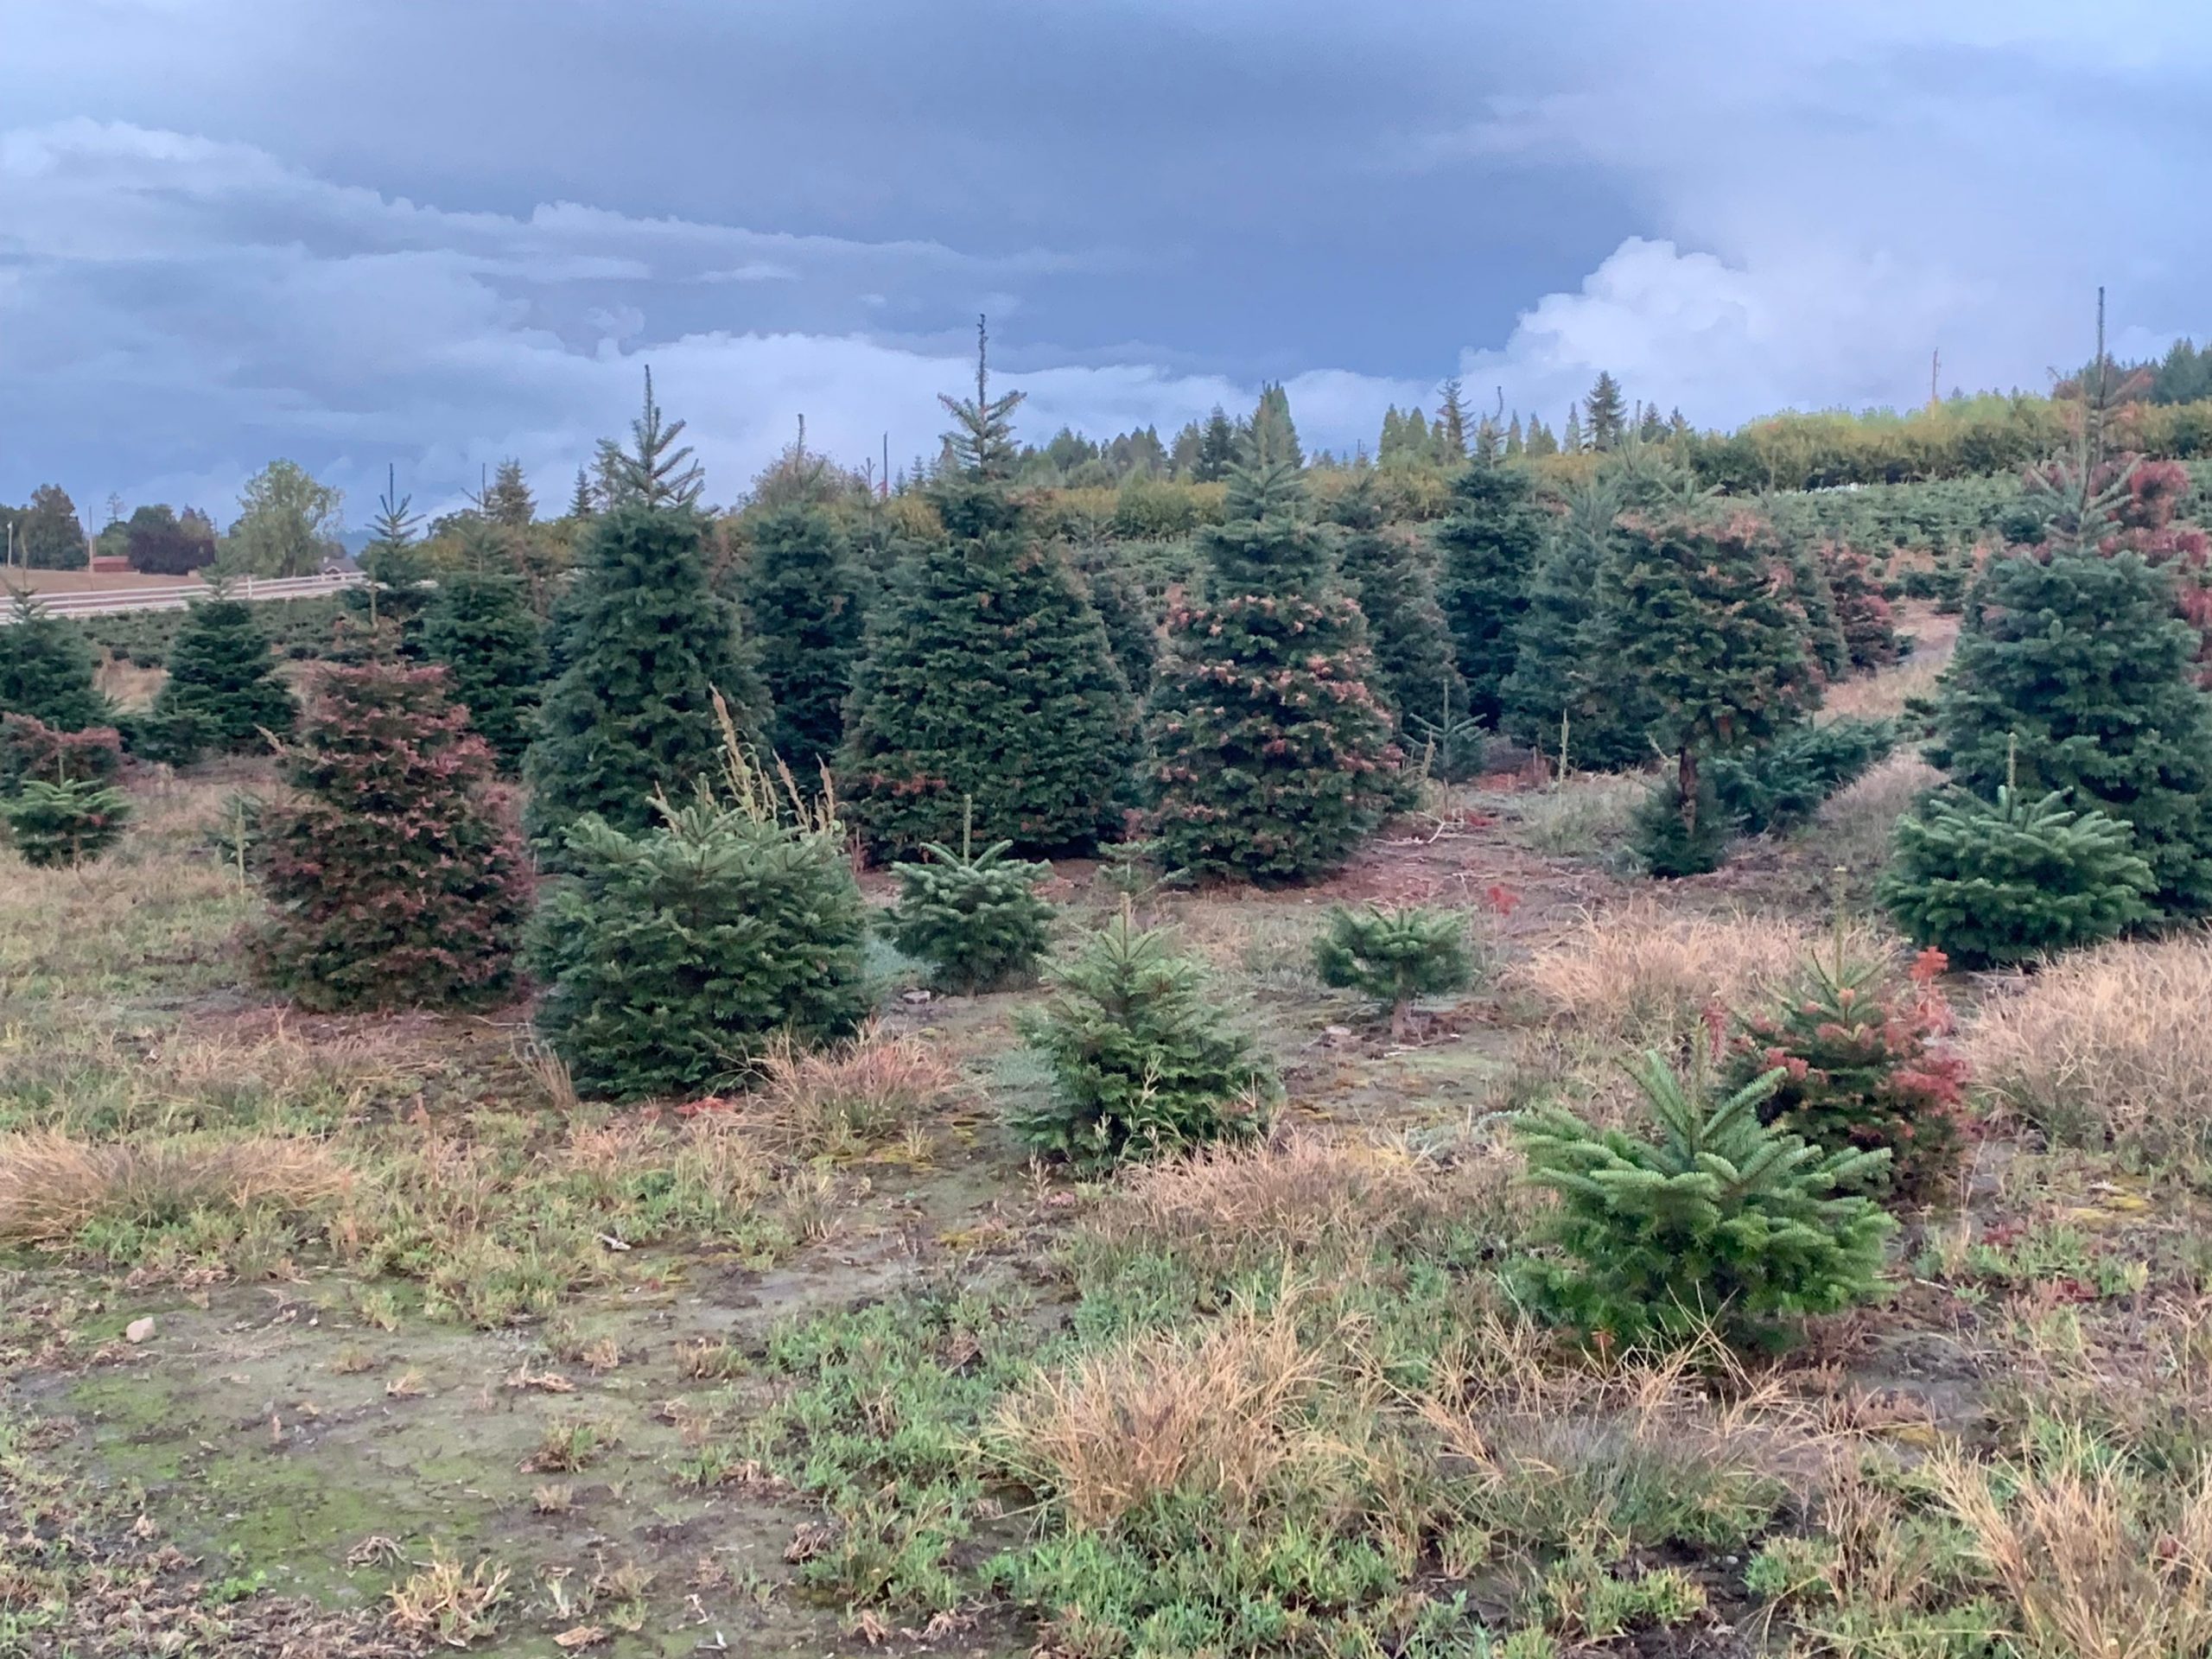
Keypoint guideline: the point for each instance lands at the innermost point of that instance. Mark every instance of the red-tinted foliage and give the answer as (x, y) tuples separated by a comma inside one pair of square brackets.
[(398, 880), (32, 750), (1870, 632)]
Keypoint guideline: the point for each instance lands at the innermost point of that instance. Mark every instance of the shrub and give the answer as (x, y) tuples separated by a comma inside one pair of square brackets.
[(222, 693), (976, 918), (1718, 1222), (1394, 956), (1861, 1070), (394, 882), (70, 821), (2109, 1045), (673, 958), (2014, 881), (1143, 1060), (1671, 843), (46, 669), (1781, 784), (30, 748)]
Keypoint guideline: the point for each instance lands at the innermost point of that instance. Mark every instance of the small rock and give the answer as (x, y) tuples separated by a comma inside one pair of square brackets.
[(916, 996), (138, 1329), (1337, 1034)]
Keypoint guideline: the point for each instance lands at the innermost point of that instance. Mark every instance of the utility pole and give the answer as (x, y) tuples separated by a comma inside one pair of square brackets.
[(1935, 372), (886, 484)]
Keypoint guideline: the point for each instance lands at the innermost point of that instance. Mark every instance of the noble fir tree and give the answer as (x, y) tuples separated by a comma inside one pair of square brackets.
[(1603, 419), (1570, 437), (803, 597), (1125, 611), (1216, 449), (1690, 606), (654, 472), (2073, 676), (582, 502), (222, 694), (480, 627), (47, 669), (1272, 756), (986, 675), (397, 585), (1451, 424), (642, 647), (1272, 428), (1490, 545), (1390, 575), (393, 880), (506, 501)]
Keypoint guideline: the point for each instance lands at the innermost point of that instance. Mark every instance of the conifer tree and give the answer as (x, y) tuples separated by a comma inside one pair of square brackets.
[(1388, 574), (582, 503), (1540, 441), (1273, 757), (1516, 445), (1690, 606), (507, 501), (802, 596), (46, 669), (2074, 675), (1605, 420), (1272, 427), (397, 589), (1490, 545), (1216, 449), (653, 472), (395, 882), (1125, 611), (642, 647), (222, 693), (1450, 428), (986, 675), (1863, 613), (480, 626), (1570, 438)]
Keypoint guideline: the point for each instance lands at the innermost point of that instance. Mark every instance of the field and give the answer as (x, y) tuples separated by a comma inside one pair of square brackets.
[(364, 1336)]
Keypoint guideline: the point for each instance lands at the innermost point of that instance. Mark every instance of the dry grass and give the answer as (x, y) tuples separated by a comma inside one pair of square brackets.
[(1884, 696), (442, 1602), (2097, 1565), (129, 686), (1300, 1194), (53, 1185), (2107, 1044), (1856, 825), (1642, 976), (843, 1100), (1225, 1410), (1588, 815)]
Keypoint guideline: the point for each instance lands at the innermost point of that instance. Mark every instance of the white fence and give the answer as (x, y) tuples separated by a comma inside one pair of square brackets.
[(177, 597)]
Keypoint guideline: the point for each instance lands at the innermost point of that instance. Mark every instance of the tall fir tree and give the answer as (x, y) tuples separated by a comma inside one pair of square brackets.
[(986, 677), (803, 597), (1605, 419), (1451, 424), (507, 501), (1389, 574), (222, 693), (641, 646), (1570, 437), (398, 586), (1273, 757), (2073, 675), (1691, 606), (1515, 444), (1217, 448), (47, 669), (655, 472), (1272, 428), (584, 501), (1125, 611), (480, 627), (1540, 440), (1490, 545)]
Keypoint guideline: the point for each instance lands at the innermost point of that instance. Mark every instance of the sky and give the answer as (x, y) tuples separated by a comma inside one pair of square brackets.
[(429, 234)]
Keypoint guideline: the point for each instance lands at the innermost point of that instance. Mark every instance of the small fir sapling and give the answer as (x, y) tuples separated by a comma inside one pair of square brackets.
[(974, 918), (1394, 956)]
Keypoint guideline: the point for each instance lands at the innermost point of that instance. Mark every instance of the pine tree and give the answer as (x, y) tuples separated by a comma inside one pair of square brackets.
[(1394, 957), (1691, 607), (1715, 1222), (803, 597), (507, 501), (584, 501), (480, 626), (641, 646), (1272, 756), (1605, 420), (974, 917), (398, 586), (1272, 427), (1540, 441), (1388, 573), (1490, 545), (394, 882), (1516, 445), (653, 472), (222, 694), (1216, 449), (47, 669), (1451, 427), (2073, 675), (986, 676), (1570, 439)]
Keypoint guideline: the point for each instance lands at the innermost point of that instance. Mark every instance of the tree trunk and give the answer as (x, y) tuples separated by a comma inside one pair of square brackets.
[(1686, 783)]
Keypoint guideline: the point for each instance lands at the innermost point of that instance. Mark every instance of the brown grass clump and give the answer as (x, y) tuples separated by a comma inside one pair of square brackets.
[(51, 1185), (1857, 826), (445, 1603), (2094, 1562), (2107, 1044), (1224, 1410), (1300, 1194), (1640, 976), (843, 1100)]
